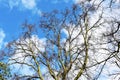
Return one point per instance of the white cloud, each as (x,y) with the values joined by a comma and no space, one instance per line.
(13,3)
(78,1)
(29,4)
(2,36)
(25,5)
(59,1)
(37,11)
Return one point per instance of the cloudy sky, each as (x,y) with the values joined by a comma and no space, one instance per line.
(14,12)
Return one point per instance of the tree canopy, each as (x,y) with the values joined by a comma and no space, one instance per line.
(80,43)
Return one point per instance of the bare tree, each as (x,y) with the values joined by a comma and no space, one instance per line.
(77,44)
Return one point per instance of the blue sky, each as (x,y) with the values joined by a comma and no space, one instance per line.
(14,12)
